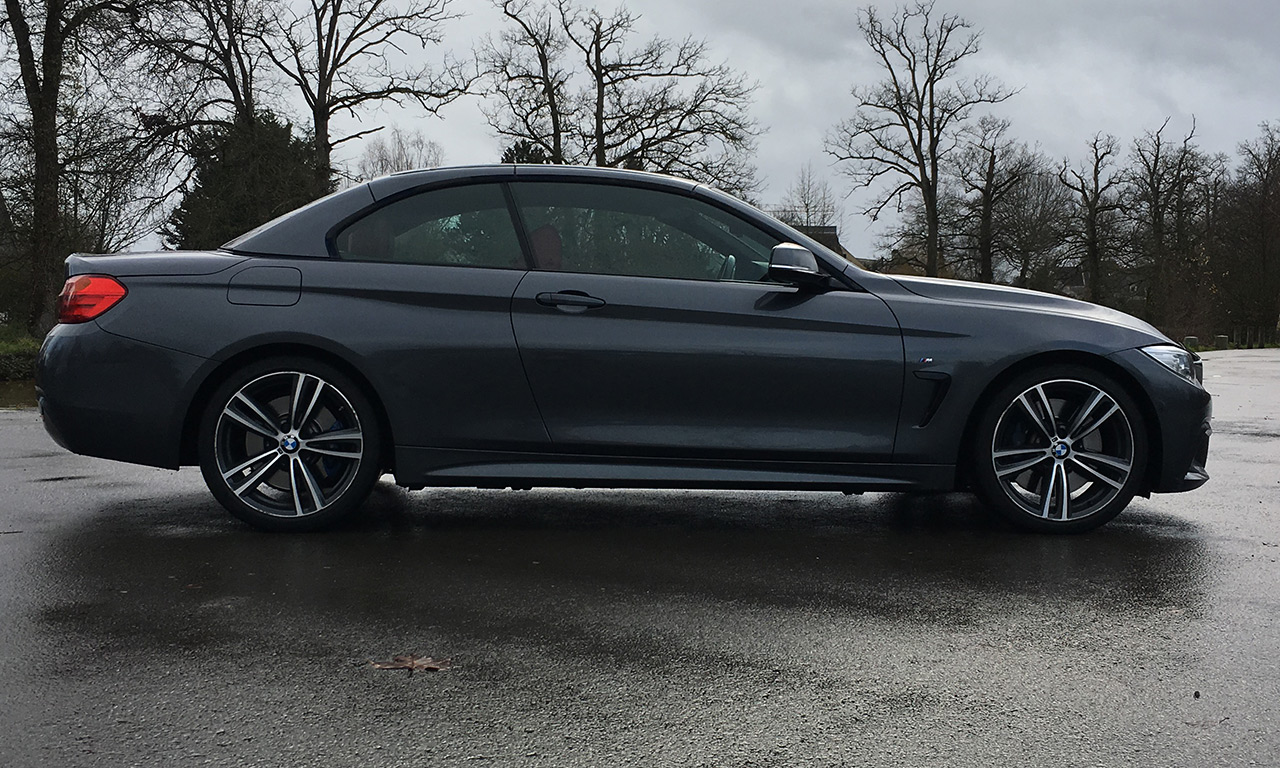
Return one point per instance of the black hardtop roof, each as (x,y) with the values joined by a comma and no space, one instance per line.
(404,180)
(302,232)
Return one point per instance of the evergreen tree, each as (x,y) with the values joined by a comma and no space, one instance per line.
(524,151)
(245,175)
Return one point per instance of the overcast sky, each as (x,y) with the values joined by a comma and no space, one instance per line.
(1083,66)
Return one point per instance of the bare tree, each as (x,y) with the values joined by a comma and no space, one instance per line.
(44,53)
(1160,177)
(809,201)
(341,55)
(907,124)
(202,68)
(1095,186)
(639,115)
(1034,220)
(398,151)
(572,82)
(988,168)
(1260,175)
(1246,251)
(203,59)
(530,78)
(115,172)
(112,179)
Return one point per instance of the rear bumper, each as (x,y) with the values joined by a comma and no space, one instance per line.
(111,397)
(1183,413)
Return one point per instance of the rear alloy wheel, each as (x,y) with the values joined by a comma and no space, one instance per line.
(1061,449)
(289,445)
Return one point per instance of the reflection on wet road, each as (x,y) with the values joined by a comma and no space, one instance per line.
(142,626)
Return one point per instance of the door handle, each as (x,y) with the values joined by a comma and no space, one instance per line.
(569,301)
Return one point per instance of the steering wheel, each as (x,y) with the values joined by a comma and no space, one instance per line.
(727,268)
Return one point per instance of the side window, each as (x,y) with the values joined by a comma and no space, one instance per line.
(467,226)
(616,230)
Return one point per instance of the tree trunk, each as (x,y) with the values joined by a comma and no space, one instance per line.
(45,224)
(553,107)
(599,110)
(1158,290)
(931,234)
(324,166)
(1093,259)
(42,93)
(986,248)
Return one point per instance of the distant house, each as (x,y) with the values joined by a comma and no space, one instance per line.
(826,234)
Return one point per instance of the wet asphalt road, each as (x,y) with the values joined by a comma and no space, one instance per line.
(139,625)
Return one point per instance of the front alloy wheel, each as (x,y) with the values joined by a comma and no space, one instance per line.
(1065,451)
(289,445)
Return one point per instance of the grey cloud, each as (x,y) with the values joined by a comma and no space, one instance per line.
(1118,66)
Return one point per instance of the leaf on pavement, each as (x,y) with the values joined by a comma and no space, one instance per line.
(413,663)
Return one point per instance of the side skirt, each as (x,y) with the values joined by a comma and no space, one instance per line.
(420,467)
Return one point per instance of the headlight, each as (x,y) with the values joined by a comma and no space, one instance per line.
(1174,358)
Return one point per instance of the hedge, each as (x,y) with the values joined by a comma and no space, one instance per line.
(17,356)
(16,366)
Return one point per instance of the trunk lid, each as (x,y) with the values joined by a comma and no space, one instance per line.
(153,264)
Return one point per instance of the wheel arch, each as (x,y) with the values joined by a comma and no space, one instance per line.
(1071,357)
(189,454)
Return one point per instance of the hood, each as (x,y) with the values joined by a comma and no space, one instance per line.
(965,292)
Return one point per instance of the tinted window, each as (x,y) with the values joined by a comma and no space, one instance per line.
(600,228)
(469,226)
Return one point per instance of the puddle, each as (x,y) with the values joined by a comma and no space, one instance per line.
(18,394)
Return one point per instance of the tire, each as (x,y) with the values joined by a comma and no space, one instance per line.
(1094,446)
(290,444)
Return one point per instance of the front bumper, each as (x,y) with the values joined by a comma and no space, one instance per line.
(1182,412)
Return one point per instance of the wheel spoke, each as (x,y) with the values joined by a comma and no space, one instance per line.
(1114,463)
(1022,465)
(1010,453)
(1057,482)
(1084,412)
(1093,427)
(251,424)
(1049,424)
(299,382)
(300,421)
(1065,491)
(256,477)
(266,424)
(1046,496)
(1030,409)
(293,485)
(242,467)
(1096,474)
(336,454)
(312,486)
(336,435)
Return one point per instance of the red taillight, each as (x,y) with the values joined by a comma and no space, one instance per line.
(84,297)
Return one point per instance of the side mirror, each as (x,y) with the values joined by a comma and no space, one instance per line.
(795,265)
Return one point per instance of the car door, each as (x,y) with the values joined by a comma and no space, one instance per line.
(648,328)
(424,284)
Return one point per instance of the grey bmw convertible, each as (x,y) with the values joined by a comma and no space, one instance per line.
(521,326)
